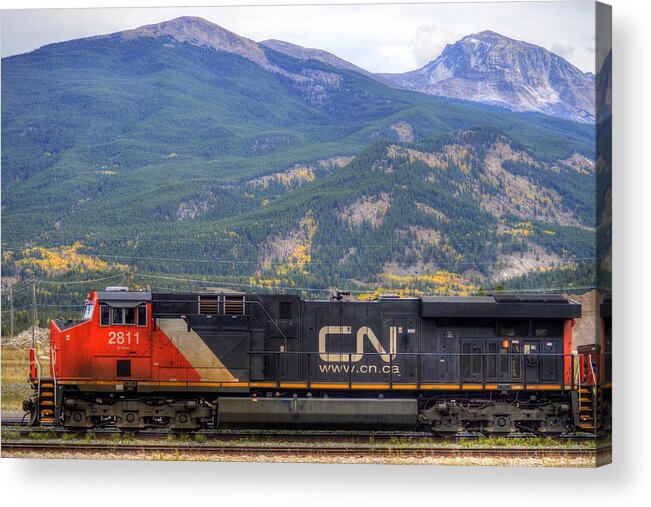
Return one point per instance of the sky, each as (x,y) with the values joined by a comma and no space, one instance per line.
(379,37)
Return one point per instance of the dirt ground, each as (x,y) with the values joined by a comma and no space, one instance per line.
(574,462)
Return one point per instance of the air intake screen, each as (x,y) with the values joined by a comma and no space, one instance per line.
(208,305)
(234,305)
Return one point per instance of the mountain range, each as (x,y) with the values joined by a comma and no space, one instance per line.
(184,147)
(489,68)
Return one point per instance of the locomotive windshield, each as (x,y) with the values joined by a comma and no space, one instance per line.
(89,306)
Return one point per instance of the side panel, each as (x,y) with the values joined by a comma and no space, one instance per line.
(361,343)
(203,348)
(317,412)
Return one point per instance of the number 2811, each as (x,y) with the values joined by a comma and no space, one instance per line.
(122,338)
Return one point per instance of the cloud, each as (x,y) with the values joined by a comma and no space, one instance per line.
(428,43)
(390,57)
(567,51)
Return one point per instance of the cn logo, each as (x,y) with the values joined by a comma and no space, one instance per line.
(363,332)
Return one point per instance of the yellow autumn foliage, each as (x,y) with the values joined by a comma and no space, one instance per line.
(520,229)
(60,260)
(300,255)
(258,281)
(440,283)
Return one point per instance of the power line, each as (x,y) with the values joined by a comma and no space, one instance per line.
(371,289)
(232,284)
(223,241)
(78,282)
(306,263)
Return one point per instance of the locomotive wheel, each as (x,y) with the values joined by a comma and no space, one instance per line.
(183,423)
(130,421)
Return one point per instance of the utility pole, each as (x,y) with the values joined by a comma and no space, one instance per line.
(11,312)
(34,314)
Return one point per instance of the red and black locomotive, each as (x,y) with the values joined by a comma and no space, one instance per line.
(186,361)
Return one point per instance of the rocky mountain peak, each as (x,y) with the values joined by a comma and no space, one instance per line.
(201,32)
(492,68)
(488,36)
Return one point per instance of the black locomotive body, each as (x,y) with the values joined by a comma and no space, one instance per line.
(491,364)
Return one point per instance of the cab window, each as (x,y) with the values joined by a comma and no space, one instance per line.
(121,316)
(142,315)
(88,311)
(104,319)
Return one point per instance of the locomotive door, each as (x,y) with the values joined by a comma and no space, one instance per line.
(472,353)
(531,350)
(550,363)
(446,362)
(400,335)
(282,359)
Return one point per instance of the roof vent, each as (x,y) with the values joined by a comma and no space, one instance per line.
(117,289)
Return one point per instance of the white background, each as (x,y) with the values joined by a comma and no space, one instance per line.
(626,482)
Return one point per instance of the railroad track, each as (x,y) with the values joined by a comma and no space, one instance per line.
(16,424)
(261,435)
(25,431)
(194,449)
(358,436)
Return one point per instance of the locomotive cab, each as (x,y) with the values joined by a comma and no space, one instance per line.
(112,341)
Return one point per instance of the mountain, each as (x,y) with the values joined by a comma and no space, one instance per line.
(182,147)
(491,68)
(462,208)
(303,53)
(200,32)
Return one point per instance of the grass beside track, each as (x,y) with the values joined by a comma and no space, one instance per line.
(15,370)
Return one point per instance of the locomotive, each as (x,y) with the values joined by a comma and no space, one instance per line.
(186,361)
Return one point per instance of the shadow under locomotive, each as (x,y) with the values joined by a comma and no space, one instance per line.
(494,364)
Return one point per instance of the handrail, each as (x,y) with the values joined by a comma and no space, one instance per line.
(594,377)
(54,378)
(416,360)
(37,412)
(160,315)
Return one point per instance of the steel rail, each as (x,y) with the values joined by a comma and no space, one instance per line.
(268,435)
(335,434)
(319,450)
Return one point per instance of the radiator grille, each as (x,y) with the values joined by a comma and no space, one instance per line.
(221,305)
(234,305)
(208,305)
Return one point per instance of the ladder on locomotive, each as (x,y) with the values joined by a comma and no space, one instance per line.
(46,401)
(589,390)
(44,412)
